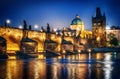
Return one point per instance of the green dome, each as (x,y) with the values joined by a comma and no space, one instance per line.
(76,21)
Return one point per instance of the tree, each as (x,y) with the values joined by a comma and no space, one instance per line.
(114,41)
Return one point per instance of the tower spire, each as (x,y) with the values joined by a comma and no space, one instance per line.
(98,12)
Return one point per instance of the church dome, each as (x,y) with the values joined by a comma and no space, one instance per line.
(76,21)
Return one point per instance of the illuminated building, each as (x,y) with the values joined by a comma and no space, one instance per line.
(98,29)
(115,32)
(112,33)
(77,24)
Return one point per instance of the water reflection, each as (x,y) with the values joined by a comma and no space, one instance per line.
(107,65)
(13,69)
(80,66)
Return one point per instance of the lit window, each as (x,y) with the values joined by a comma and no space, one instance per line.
(98,23)
(94,24)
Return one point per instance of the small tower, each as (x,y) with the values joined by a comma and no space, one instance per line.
(98,29)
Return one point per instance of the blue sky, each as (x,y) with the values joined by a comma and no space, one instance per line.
(58,13)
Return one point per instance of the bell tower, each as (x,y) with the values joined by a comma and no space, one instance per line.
(98,29)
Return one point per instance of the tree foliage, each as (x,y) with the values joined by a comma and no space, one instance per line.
(114,41)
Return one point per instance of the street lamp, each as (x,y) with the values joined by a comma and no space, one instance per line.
(36,26)
(8,22)
(20,27)
(54,29)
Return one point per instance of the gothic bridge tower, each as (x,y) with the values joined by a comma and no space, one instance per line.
(98,29)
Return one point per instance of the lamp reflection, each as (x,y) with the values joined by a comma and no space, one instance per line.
(107,65)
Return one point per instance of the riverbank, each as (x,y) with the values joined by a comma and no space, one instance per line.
(106,49)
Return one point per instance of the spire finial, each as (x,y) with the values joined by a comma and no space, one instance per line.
(98,12)
(77,16)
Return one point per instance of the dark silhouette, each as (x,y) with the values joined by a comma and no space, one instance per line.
(25,25)
(115,27)
(114,41)
(30,28)
(48,28)
(5,23)
(42,29)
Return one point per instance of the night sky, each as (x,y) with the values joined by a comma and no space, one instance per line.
(57,13)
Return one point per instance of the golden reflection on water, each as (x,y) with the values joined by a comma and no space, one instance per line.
(14,69)
(36,69)
(99,56)
(55,69)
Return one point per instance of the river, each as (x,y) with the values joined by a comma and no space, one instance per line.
(80,66)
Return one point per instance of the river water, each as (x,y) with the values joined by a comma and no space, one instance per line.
(80,66)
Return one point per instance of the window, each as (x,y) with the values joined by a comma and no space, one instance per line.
(94,24)
(98,23)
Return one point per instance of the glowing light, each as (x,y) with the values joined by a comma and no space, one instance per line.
(54,29)
(89,50)
(8,21)
(107,28)
(64,51)
(41,30)
(56,33)
(79,51)
(61,33)
(12,57)
(98,38)
(20,27)
(35,26)
(107,57)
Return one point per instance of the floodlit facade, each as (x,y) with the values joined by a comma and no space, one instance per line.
(110,34)
(115,32)
(77,24)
